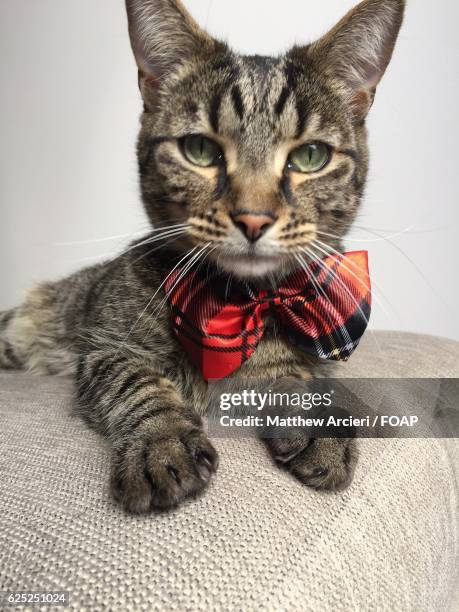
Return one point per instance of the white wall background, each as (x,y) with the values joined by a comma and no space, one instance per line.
(69,111)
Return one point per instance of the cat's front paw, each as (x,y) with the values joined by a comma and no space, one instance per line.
(326,464)
(160,468)
(321,463)
(322,457)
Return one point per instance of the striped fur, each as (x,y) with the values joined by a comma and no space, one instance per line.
(8,357)
(109,325)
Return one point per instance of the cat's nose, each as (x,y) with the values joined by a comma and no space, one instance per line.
(253,225)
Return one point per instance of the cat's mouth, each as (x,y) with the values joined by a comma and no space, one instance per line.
(251,265)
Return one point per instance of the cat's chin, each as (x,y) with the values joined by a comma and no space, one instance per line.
(252,267)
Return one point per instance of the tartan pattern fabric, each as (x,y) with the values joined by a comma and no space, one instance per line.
(323,313)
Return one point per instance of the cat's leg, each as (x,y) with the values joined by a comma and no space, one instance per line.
(8,356)
(160,453)
(34,335)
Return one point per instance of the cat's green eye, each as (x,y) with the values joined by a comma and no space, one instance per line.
(202,151)
(310,157)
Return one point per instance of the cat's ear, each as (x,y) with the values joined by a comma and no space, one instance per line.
(359,48)
(163,36)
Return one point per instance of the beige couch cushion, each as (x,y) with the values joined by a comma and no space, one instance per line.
(257,540)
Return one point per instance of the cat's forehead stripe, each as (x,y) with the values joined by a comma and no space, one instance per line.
(238,103)
(257,88)
(214,111)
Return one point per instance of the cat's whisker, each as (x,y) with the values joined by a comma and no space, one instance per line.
(319,288)
(228,286)
(116,237)
(365,240)
(98,240)
(430,230)
(320,291)
(163,226)
(330,270)
(153,239)
(187,268)
(272,280)
(215,247)
(434,291)
(169,228)
(331,251)
(326,249)
(153,297)
(194,259)
(162,304)
(206,255)
(323,265)
(158,248)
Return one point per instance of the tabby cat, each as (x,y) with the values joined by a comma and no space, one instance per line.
(246,163)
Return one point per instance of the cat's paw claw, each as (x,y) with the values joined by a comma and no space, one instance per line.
(327,464)
(160,473)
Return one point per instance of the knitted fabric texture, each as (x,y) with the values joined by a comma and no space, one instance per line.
(257,540)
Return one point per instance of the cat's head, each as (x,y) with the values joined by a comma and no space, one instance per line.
(257,157)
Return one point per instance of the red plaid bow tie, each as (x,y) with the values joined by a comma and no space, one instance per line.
(324,313)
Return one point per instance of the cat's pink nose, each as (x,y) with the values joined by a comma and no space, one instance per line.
(253,225)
